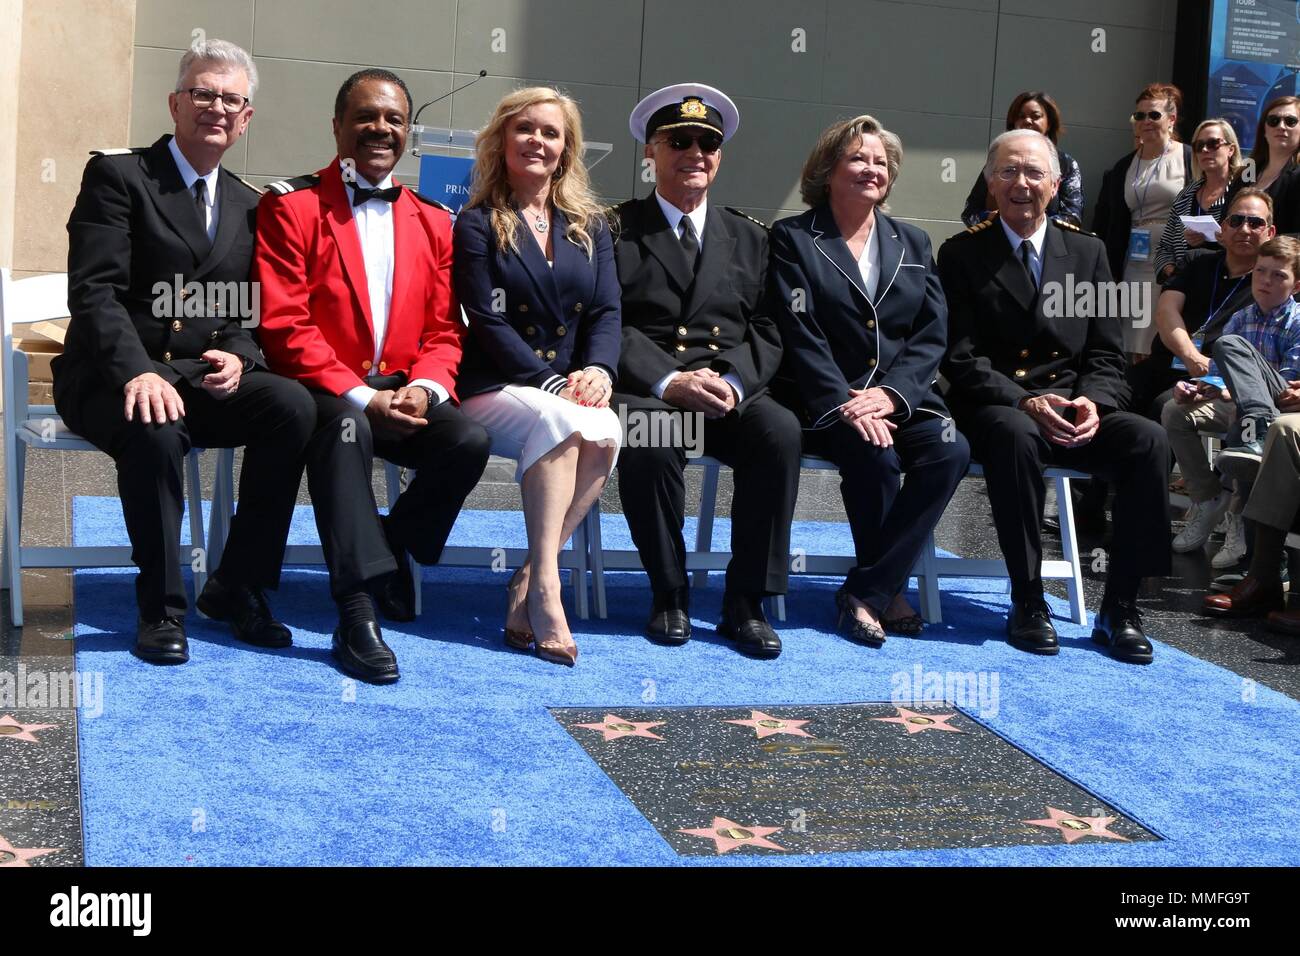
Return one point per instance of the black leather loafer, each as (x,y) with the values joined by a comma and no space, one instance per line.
(361,652)
(1029,627)
(669,622)
(245,609)
(743,622)
(1118,626)
(394,594)
(161,642)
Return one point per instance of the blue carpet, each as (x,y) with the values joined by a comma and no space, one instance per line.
(271,757)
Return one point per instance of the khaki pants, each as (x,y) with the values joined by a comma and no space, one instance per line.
(1182,422)
(1275,497)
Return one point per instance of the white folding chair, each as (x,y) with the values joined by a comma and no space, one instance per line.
(40,299)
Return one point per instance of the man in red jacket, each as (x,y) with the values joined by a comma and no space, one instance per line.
(356,304)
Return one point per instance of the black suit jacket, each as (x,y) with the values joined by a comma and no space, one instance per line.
(550,319)
(676,321)
(1003,344)
(835,337)
(133,231)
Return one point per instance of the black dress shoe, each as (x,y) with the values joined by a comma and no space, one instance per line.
(1029,627)
(245,609)
(743,622)
(394,593)
(161,642)
(669,622)
(1118,626)
(361,651)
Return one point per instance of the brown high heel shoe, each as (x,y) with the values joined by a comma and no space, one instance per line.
(557,653)
(519,640)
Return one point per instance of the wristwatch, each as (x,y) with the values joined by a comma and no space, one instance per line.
(433,399)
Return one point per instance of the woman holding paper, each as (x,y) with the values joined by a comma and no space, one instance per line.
(1216,160)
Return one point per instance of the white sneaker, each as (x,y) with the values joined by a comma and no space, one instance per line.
(1234,544)
(1201,519)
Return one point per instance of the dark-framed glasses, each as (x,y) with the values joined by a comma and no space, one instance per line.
(1208,145)
(204,98)
(1032,174)
(1154,115)
(1289,119)
(1237,220)
(709,142)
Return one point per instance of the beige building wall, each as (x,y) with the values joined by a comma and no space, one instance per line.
(70,63)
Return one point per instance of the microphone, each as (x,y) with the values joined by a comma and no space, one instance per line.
(416,120)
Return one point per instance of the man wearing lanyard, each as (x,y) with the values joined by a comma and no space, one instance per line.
(357,305)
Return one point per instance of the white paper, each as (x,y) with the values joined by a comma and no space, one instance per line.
(1205,225)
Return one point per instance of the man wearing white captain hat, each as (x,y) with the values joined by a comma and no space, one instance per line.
(697,339)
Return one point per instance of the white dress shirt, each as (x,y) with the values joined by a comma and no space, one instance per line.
(869,263)
(697,217)
(190,177)
(1035,247)
(374,222)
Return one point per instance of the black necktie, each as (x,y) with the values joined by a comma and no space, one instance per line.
(1028,262)
(361,194)
(690,245)
(201,201)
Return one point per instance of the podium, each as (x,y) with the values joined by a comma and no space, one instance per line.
(441,160)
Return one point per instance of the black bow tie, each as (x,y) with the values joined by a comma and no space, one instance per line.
(361,194)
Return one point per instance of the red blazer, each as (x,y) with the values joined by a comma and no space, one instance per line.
(315,306)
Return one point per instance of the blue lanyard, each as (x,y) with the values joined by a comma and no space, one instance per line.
(1137,174)
(1215,310)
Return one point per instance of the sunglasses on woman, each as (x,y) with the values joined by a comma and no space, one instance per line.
(709,142)
(1289,119)
(1208,145)
(1237,220)
(1154,116)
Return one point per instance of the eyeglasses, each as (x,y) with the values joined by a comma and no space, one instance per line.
(708,142)
(1237,220)
(1208,145)
(1032,174)
(1290,120)
(1153,115)
(204,98)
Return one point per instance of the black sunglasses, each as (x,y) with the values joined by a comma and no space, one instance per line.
(1290,121)
(1139,116)
(1208,145)
(709,142)
(1237,220)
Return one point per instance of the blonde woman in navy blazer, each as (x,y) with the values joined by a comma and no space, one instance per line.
(534,271)
(865,325)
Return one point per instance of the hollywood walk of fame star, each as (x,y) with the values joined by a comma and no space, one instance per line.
(766,725)
(1076,828)
(10,729)
(728,835)
(11,855)
(615,727)
(914,723)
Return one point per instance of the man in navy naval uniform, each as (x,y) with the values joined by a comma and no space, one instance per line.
(148,373)
(1032,388)
(697,339)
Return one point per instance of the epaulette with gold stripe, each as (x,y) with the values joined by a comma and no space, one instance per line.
(745,215)
(432,202)
(1070,226)
(119,151)
(257,189)
(983,224)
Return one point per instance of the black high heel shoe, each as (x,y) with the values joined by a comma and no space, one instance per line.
(860,632)
(910,626)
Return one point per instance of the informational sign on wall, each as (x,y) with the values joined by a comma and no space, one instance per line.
(1254,57)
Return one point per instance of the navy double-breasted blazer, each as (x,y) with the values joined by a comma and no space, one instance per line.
(531,323)
(836,337)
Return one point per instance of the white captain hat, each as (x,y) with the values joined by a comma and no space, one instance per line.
(684,104)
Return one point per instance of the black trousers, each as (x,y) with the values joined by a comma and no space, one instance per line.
(890,525)
(449,455)
(760,441)
(1128,451)
(270,416)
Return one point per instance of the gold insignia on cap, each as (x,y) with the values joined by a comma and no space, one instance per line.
(693,108)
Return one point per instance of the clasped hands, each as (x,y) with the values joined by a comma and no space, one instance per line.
(398,413)
(702,390)
(590,387)
(1189,393)
(867,411)
(1057,430)
(156,400)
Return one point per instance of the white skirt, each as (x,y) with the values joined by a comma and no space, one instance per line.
(525,423)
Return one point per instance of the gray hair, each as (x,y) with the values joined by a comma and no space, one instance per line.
(1010,136)
(221,52)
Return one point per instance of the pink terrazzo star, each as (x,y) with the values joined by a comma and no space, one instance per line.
(765,725)
(1076,828)
(615,727)
(727,835)
(914,723)
(10,729)
(11,855)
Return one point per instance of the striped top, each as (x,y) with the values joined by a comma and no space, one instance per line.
(1173,248)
